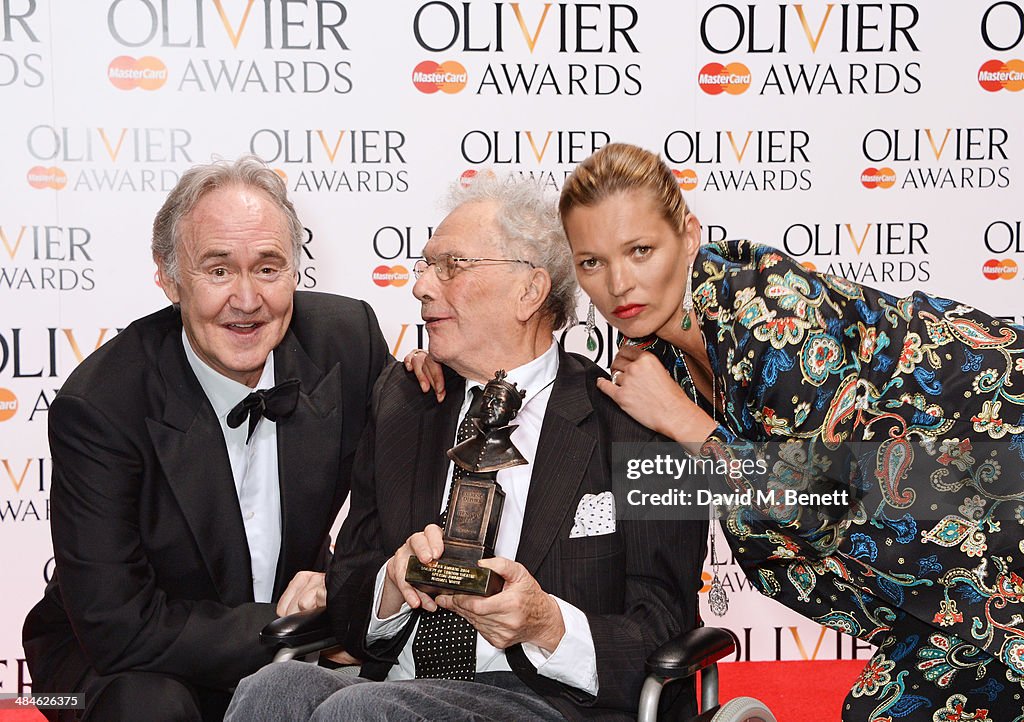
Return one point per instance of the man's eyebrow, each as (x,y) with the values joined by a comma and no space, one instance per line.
(443,252)
(214,253)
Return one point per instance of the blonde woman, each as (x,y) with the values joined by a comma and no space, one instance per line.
(911,406)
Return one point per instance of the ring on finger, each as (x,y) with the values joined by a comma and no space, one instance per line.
(615,377)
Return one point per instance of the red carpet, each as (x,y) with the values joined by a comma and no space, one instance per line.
(794,691)
(21,715)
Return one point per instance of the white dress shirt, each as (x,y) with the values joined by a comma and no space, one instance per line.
(574,661)
(253,467)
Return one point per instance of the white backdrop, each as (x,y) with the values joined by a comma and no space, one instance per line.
(880,141)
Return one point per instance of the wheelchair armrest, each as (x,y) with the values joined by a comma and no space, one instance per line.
(298,629)
(684,655)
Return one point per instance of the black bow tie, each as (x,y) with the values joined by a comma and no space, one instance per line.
(275,403)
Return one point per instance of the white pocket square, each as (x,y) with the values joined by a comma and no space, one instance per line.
(595,515)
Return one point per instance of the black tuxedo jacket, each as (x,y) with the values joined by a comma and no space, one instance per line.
(152,564)
(638,586)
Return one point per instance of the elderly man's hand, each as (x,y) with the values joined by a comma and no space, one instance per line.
(427,546)
(521,612)
(305,591)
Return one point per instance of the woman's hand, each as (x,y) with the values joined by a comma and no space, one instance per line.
(428,372)
(644,389)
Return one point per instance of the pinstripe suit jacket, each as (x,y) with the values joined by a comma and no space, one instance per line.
(638,586)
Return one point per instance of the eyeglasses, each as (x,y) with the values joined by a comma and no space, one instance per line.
(446,264)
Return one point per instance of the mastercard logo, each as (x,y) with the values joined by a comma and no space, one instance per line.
(994,269)
(995,75)
(467,177)
(715,78)
(390,276)
(706,579)
(687,178)
(809,266)
(282,175)
(127,73)
(448,77)
(878,178)
(52,177)
(8,404)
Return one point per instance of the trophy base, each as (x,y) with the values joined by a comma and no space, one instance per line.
(453,576)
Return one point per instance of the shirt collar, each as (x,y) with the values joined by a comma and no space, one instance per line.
(223,393)
(533,376)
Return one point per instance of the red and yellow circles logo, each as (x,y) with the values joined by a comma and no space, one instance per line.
(448,77)
(282,175)
(687,178)
(467,177)
(52,177)
(995,75)
(390,276)
(809,266)
(995,269)
(8,404)
(878,177)
(127,73)
(715,78)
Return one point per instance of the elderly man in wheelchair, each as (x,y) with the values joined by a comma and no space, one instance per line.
(580,598)
(307,634)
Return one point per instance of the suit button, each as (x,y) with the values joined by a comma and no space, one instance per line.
(250,515)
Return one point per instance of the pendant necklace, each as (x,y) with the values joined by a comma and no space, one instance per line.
(718,600)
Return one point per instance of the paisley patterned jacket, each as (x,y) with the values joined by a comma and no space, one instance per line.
(913,405)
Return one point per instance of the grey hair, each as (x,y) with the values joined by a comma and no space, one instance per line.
(531,230)
(248,171)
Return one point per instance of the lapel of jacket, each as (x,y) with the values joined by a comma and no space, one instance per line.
(308,450)
(190,446)
(436,435)
(563,455)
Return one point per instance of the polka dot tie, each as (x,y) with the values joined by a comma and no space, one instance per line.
(445,643)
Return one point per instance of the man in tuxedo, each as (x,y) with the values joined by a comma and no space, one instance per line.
(199,460)
(587,596)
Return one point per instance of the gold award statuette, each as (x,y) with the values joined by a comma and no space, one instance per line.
(474,506)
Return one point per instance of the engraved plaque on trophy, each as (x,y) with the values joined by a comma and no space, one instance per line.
(476,499)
